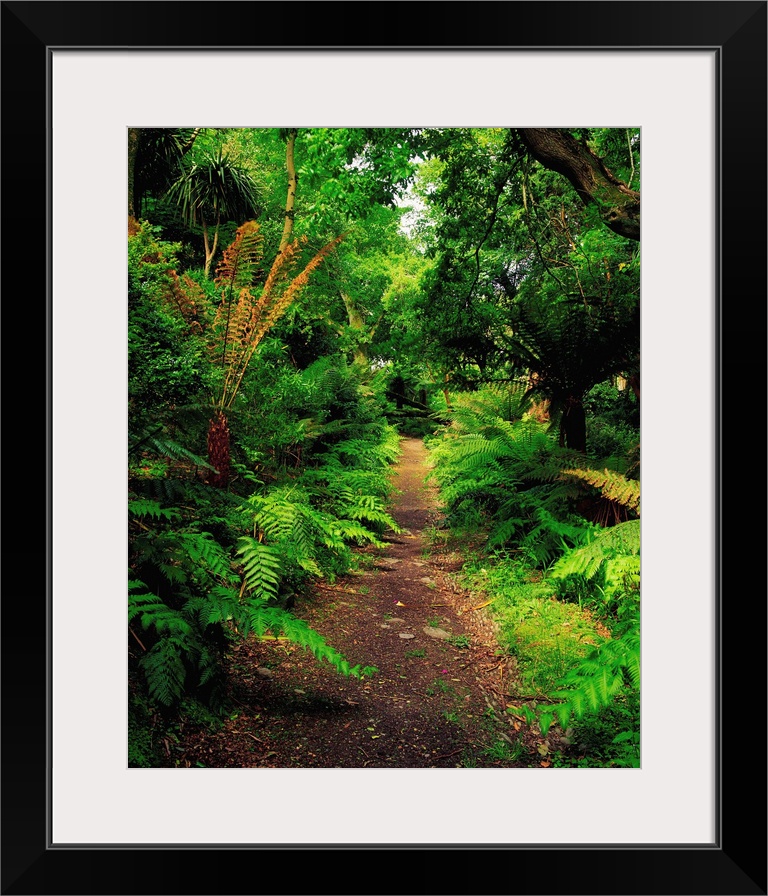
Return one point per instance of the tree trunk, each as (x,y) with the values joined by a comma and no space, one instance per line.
(218,449)
(210,250)
(292,182)
(133,145)
(573,425)
(557,150)
(356,323)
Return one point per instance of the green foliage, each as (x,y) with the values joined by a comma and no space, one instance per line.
(460,641)
(262,566)
(611,670)
(604,572)
(497,273)
(214,187)
(190,591)
(166,364)
(529,492)
(511,471)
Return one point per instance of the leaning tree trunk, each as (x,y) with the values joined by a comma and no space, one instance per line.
(559,151)
(573,425)
(218,449)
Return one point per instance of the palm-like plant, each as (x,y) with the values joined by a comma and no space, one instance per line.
(155,159)
(568,347)
(212,190)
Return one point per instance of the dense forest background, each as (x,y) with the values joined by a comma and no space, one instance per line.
(299,300)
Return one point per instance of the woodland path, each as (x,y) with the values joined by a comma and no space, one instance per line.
(438,697)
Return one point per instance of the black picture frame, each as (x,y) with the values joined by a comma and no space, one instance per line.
(737,862)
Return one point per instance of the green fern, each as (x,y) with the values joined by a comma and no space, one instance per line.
(168,448)
(142,507)
(597,681)
(218,606)
(153,612)
(165,670)
(263,620)
(262,567)
(614,486)
(606,544)
(203,550)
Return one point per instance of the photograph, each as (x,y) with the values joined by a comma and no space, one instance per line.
(384,447)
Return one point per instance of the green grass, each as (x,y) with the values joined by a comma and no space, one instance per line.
(547,637)
(460,641)
(439,686)
(502,751)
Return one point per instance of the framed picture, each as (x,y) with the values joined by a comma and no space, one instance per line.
(692,76)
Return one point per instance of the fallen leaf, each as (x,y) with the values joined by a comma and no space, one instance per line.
(399,603)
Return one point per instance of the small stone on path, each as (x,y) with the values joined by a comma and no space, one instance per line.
(406,635)
(435,632)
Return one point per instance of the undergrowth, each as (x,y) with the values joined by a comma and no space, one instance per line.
(556,554)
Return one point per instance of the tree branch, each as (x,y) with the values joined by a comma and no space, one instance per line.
(618,204)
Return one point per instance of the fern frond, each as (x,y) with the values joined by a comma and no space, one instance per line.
(278,622)
(165,672)
(613,486)
(165,447)
(218,605)
(262,567)
(350,530)
(153,612)
(597,681)
(187,298)
(240,260)
(203,549)
(141,507)
(606,544)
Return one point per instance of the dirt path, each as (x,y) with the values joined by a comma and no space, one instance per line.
(437,698)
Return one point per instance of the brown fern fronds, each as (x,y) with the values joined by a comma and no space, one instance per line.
(186,298)
(240,259)
(232,328)
(281,266)
(270,308)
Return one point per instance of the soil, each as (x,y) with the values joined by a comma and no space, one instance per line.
(439,697)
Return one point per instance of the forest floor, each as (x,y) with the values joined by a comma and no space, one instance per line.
(439,697)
